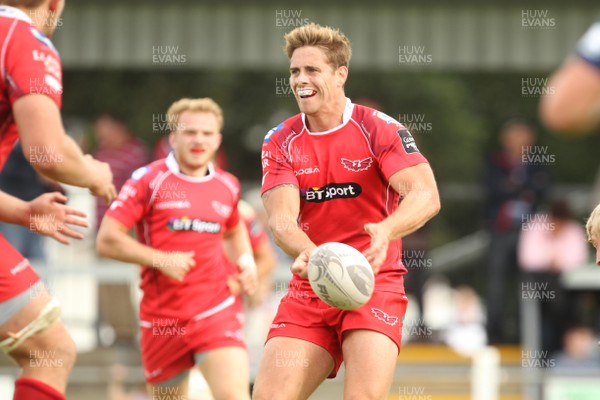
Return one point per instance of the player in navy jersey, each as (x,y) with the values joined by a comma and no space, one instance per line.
(340,172)
(573,105)
(30,99)
(185,211)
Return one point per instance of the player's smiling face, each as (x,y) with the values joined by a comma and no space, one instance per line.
(315,82)
(195,141)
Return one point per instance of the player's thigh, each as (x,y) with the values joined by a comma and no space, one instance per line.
(52,343)
(291,369)
(176,387)
(370,360)
(227,372)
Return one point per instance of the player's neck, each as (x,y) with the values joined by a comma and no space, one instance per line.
(39,19)
(328,117)
(194,172)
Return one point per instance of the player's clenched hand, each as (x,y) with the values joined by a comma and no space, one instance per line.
(103,180)
(247,276)
(300,265)
(49,216)
(174,264)
(380,241)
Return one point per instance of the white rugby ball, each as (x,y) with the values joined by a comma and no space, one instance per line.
(340,275)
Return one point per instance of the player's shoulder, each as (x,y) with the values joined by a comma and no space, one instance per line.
(291,126)
(370,117)
(149,171)
(230,181)
(27,37)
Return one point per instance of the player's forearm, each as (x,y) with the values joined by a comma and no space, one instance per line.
(63,162)
(288,236)
(265,259)
(236,243)
(14,210)
(414,211)
(122,247)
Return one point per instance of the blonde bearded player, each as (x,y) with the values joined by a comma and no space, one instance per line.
(339,172)
(30,100)
(185,211)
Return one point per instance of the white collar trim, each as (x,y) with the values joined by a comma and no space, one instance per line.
(173,166)
(12,12)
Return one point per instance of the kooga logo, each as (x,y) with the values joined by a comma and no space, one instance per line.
(330,192)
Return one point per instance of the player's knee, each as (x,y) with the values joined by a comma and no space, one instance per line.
(366,393)
(52,348)
(259,393)
(233,395)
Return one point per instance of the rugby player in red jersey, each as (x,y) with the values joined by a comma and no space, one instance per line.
(185,212)
(346,173)
(30,99)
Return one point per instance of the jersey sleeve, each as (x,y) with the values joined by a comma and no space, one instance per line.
(588,47)
(32,66)
(276,165)
(234,218)
(131,205)
(256,232)
(233,185)
(394,147)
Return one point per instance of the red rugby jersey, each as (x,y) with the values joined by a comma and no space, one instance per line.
(29,63)
(175,212)
(343,178)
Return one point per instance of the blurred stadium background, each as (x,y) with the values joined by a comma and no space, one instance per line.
(452,71)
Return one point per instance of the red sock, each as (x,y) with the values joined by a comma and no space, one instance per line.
(32,389)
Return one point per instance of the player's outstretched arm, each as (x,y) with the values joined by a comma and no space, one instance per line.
(238,249)
(46,215)
(52,152)
(282,204)
(421,202)
(113,241)
(573,103)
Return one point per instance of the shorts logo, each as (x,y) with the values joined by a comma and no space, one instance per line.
(186,224)
(276,326)
(21,266)
(236,335)
(152,374)
(408,141)
(331,191)
(383,316)
(357,165)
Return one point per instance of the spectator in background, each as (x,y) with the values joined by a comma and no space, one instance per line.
(579,355)
(466,333)
(549,245)
(117,146)
(514,189)
(573,106)
(19,179)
